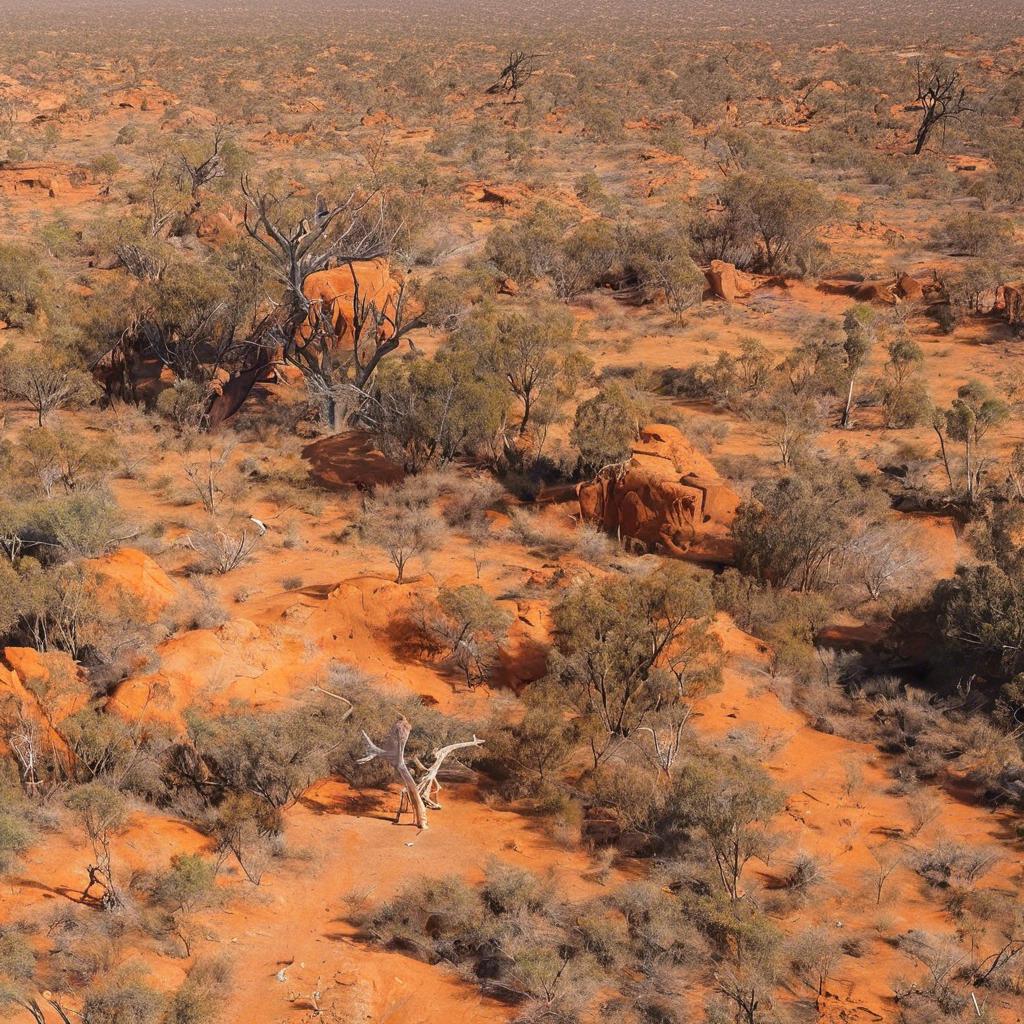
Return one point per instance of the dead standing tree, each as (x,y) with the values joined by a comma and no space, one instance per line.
(333,372)
(203,167)
(417,795)
(304,333)
(942,96)
(518,70)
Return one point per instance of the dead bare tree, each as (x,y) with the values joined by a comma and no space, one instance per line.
(518,70)
(197,172)
(31,1005)
(338,376)
(666,743)
(25,743)
(942,96)
(419,795)
(161,196)
(311,242)
(345,233)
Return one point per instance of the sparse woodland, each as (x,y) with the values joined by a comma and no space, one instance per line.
(511,518)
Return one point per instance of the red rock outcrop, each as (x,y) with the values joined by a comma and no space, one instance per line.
(875,291)
(727,282)
(131,573)
(908,288)
(1013,305)
(45,688)
(668,498)
(335,291)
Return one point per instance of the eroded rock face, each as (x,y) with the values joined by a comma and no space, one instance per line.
(882,292)
(727,282)
(909,289)
(334,293)
(668,499)
(131,573)
(45,688)
(904,288)
(1013,305)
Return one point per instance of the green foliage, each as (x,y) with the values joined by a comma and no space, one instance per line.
(971,416)
(976,233)
(586,255)
(45,381)
(511,932)
(16,835)
(17,968)
(795,530)
(730,381)
(606,425)
(272,756)
(773,217)
(534,354)
(404,530)
(980,613)
(860,330)
(731,803)
(189,883)
(100,809)
(525,756)
(530,248)
(63,458)
(122,999)
(202,996)
(629,651)
(656,254)
(905,398)
(547,243)
(25,286)
(429,411)
(467,627)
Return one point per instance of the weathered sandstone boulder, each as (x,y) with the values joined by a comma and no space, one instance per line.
(876,291)
(1013,305)
(335,292)
(668,498)
(908,288)
(727,282)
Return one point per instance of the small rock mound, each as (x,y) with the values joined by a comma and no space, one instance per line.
(46,688)
(904,288)
(131,572)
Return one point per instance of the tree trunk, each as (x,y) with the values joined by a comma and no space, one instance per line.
(970,471)
(419,795)
(849,404)
(945,458)
(393,752)
(331,413)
